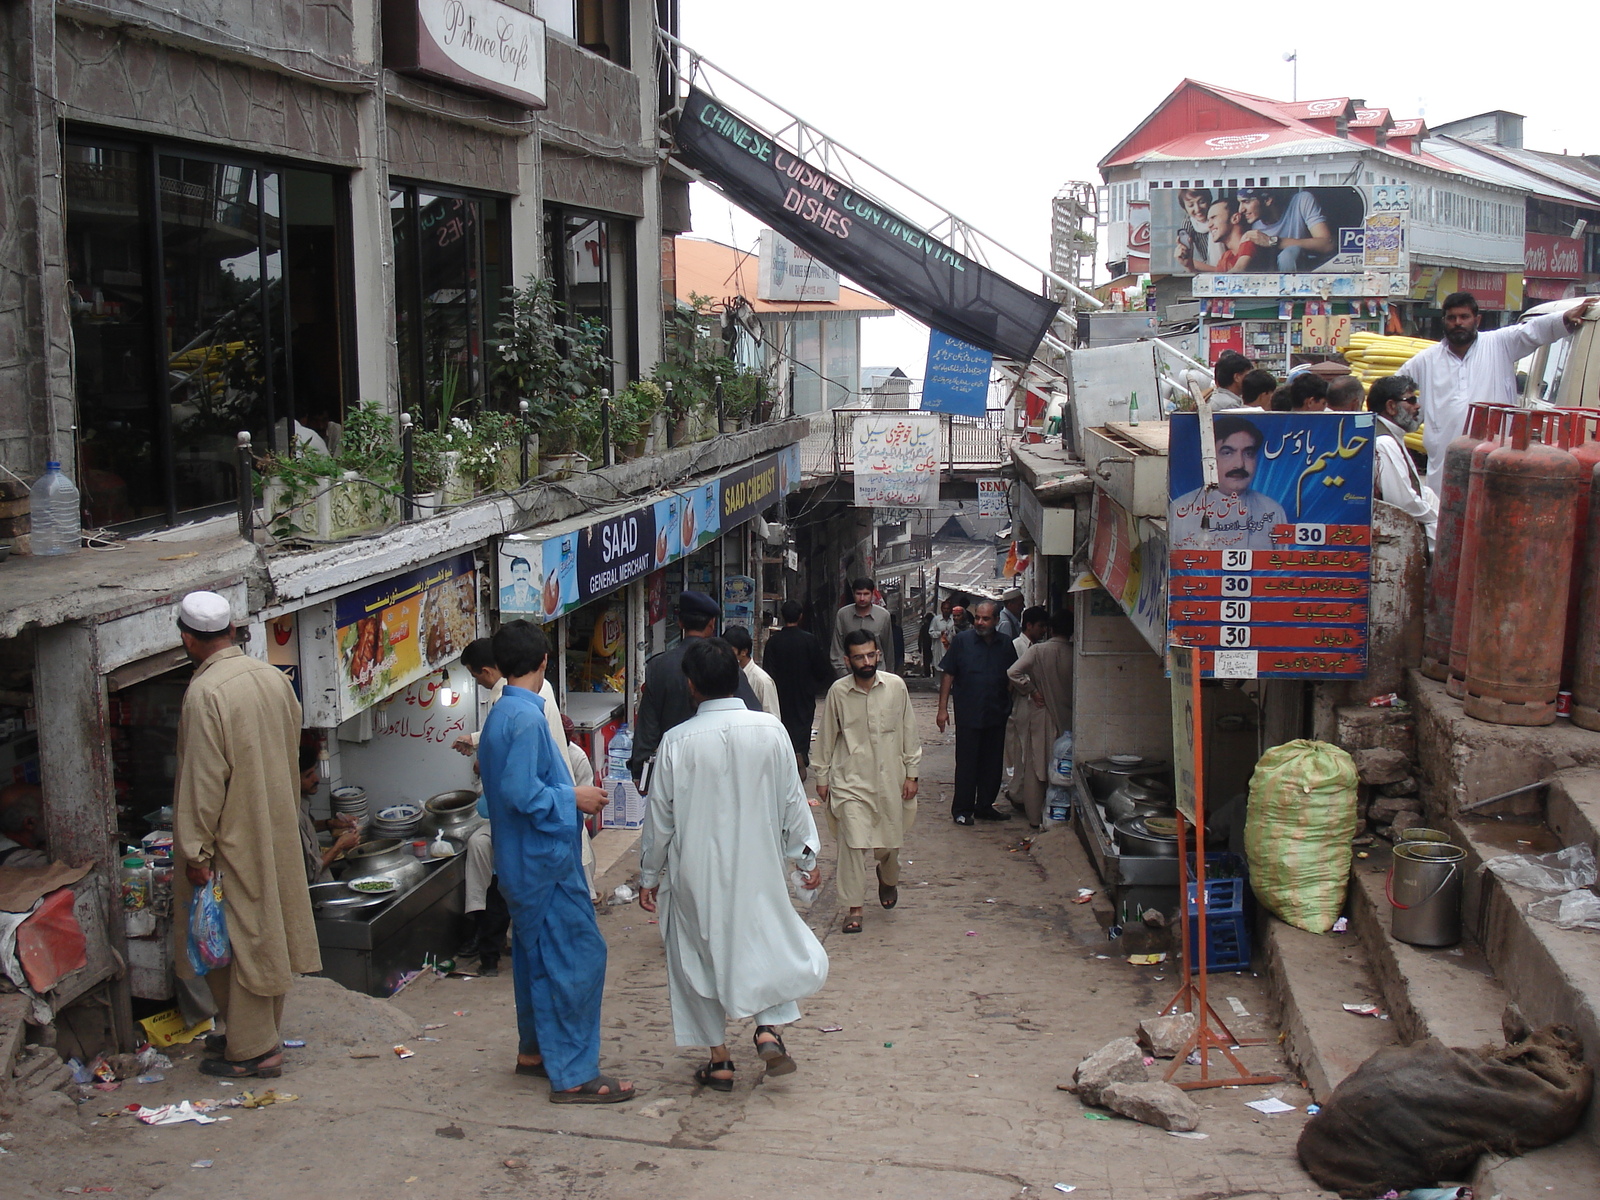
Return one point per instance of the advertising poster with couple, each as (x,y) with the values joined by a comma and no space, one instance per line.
(1276,230)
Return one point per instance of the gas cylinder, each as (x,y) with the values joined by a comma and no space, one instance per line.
(1575,439)
(1466,572)
(1439,605)
(1586,667)
(1519,605)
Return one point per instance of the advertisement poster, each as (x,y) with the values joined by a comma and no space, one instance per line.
(1196,231)
(1129,557)
(283,648)
(394,632)
(738,601)
(702,518)
(957,377)
(897,461)
(1185,770)
(992,498)
(1269,571)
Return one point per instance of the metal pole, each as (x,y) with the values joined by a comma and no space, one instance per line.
(408,469)
(722,423)
(606,457)
(247,488)
(672,421)
(522,413)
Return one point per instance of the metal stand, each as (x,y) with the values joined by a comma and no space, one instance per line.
(247,490)
(408,471)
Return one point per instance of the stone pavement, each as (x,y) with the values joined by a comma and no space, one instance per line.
(960,1011)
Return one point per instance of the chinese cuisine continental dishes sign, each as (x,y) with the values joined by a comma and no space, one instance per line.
(1269,571)
(394,632)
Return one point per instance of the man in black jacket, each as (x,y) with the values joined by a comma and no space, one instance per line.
(665,700)
(799,665)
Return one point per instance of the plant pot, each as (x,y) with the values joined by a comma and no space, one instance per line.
(287,513)
(632,450)
(680,430)
(564,466)
(457,486)
(508,468)
(424,505)
(354,506)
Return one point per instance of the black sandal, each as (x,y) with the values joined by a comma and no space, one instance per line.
(774,1053)
(244,1068)
(590,1093)
(705,1078)
(536,1069)
(888,894)
(216,1044)
(851,925)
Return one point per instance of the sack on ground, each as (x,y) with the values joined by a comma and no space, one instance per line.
(1301,817)
(1412,1115)
(209,947)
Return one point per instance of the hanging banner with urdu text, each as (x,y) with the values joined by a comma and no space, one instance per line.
(879,249)
(957,377)
(897,460)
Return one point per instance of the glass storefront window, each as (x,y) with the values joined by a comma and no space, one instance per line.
(247,260)
(450,271)
(589,257)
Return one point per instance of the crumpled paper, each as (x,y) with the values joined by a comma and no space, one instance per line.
(175,1114)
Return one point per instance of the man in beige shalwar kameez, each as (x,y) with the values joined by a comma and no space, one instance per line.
(1044,676)
(236,814)
(866,761)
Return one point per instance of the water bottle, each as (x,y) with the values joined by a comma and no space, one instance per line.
(57,525)
(618,752)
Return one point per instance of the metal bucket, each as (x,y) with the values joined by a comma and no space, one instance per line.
(1424,835)
(1424,890)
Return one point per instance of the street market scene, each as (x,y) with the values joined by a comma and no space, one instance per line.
(568,629)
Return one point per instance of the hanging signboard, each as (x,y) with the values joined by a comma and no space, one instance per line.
(479,44)
(790,273)
(887,254)
(392,633)
(992,498)
(1180,666)
(897,461)
(1270,571)
(1128,556)
(957,377)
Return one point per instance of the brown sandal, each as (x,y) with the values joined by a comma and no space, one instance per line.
(590,1093)
(244,1068)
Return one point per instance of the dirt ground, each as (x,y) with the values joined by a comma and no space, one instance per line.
(961,1011)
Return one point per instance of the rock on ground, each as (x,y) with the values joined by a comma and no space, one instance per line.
(1382,766)
(1158,1104)
(1385,808)
(1406,820)
(1121,1061)
(1164,1037)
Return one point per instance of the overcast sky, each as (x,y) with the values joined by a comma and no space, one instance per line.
(990,107)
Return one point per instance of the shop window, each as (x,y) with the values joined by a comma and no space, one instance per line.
(589,258)
(559,16)
(451,268)
(198,284)
(603,28)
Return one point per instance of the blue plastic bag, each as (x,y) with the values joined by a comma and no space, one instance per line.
(209,947)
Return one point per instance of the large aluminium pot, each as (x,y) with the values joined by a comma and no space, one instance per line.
(387,858)
(1104,775)
(1134,838)
(1140,797)
(454,814)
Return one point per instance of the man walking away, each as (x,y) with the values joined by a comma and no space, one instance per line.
(1393,403)
(664,700)
(863,614)
(1043,675)
(1470,368)
(1257,388)
(974,672)
(760,682)
(798,666)
(236,814)
(727,813)
(558,958)
(868,753)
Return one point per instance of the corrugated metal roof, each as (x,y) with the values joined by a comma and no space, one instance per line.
(711,269)
(1498,164)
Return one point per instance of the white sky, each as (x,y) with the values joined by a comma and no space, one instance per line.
(990,107)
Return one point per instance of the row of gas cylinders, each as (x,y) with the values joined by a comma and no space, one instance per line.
(1512,613)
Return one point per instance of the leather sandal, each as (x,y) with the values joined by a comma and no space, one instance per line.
(216,1044)
(536,1069)
(705,1078)
(774,1053)
(244,1068)
(590,1093)
(888,893)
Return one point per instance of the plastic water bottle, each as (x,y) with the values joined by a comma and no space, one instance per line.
(57,524)
(617,754)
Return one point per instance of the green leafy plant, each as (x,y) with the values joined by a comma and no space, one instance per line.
(553,363)
(694,356)
(367,445)
(487,440)
(428,463)
(633,409)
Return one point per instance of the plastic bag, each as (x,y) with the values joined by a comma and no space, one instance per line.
(1061,760)
(1562,871)
(1578,909)
(1297,831)
(209,947)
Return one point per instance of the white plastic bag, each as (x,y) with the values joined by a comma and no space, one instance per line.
(1563,871)
(1577,909)
(1061,760)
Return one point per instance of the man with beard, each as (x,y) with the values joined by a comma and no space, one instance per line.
(868,753)
(1297,233)
(1470,368)
(1393,403)
(974,672)
(1233,515)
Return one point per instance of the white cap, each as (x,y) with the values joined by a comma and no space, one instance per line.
(1012,594)
(205,612)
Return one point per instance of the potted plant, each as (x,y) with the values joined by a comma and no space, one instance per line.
(633,415)
(553,364)
(312,494)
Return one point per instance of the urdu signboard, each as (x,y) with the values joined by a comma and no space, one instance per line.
(478,44)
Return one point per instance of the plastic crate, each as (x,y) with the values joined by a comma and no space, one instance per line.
(1227,925)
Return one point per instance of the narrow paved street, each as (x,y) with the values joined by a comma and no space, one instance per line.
(960,1012)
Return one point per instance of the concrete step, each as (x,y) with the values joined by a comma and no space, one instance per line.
(1572,807)
(1449,993)
(1570,1168)
(1311,977)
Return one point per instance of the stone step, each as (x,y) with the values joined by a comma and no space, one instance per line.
(1311,977)
(1572,807)
(1448,993)
(1569,1168)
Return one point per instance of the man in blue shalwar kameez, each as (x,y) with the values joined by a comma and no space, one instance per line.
(558,956)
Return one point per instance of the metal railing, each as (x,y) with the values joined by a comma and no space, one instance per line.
(965,443)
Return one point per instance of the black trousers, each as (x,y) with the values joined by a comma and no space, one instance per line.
(980,757)
(493,922)
(799,730)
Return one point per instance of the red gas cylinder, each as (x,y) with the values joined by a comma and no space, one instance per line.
(1586,667)
(1519,605)
(1439,605)
(1576,439)
(1466,572)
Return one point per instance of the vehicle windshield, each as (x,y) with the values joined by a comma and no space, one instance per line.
(1544,368)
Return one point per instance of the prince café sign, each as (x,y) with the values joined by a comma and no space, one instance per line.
(478,44)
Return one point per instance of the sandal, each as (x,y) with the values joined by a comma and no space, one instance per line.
(244,1068)
(536,1069)
(774,1053)
(888,894)
(851,925)
(216,1044)
(705,1078)
(590,1093)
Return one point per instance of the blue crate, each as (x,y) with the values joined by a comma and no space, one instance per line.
(1223,897)
(1227,925)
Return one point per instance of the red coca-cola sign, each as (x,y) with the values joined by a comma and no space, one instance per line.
(1547,256)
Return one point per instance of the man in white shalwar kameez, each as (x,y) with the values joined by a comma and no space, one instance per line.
(727,815)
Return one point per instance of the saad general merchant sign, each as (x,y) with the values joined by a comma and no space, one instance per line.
(478,44)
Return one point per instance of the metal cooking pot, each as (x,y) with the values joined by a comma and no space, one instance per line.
(1133,838)
(1104,775)
(454,814)
(1131,800)
(387,857)
(337,900)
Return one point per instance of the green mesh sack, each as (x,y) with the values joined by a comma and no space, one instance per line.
(1298,830)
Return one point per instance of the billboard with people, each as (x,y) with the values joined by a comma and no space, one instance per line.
(1257,230)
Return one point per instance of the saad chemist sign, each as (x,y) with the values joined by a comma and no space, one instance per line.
(890,256)
(478,44)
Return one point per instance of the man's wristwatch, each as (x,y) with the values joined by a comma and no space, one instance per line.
(1276,241)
